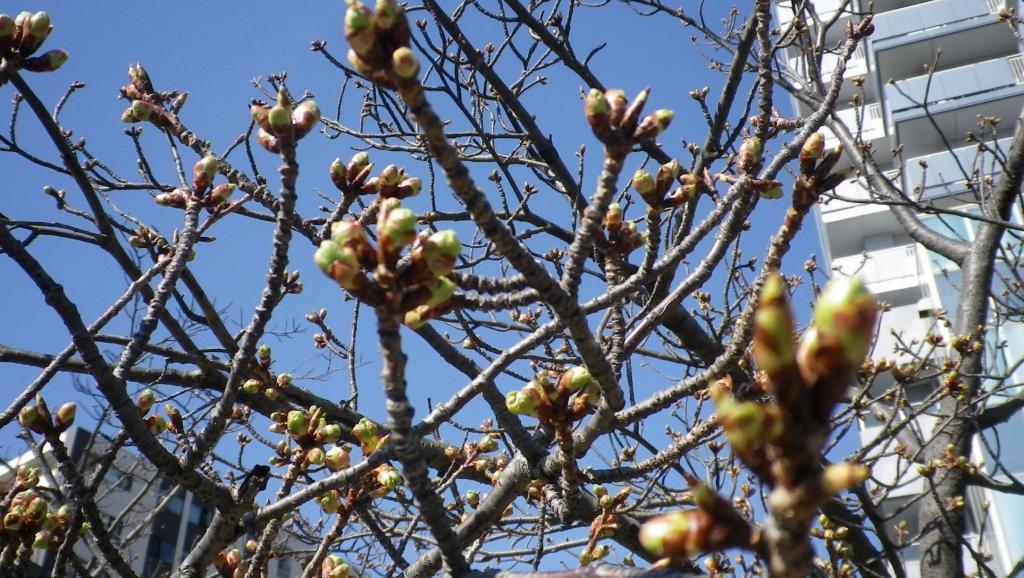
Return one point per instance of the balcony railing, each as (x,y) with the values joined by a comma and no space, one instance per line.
(956,83)
(851,191)
(941,172)
(881,266)
(826,9)
(856,66)
(930,17)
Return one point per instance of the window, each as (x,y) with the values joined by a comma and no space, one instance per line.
(159,557)
(118,479)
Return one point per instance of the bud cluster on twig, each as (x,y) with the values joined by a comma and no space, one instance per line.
(660,190)
(22,36)
(617,122)
(573,395)
(285,123)
(379,41)
(28,520)
(202,190)
(37,417)
(623,236)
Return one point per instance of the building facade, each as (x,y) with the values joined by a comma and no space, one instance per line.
(925,77)
(152,521)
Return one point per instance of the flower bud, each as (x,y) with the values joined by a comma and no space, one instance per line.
(49,61)
(337,459)
(339,176)
(617,104)
(360,65)
(750,154)
(613,218)
(143,110)
(271,394)
(26,478)
(774,349)
(667,174)
(840,477)
(338,262)
(30,418)
(280,120)
(251,386)
(410,187)
(678,534)
(643,183)
(145,401)
(386,14)
(359,27)
(298,423)
(521,403)
(268,141)
(772,193)
(259,114)
(440,292)
(488,443)
(440,251)
(328,434)
(575,379)
(156,424)
(42,539)
(330,502)
(176,198)
(388,477)
(66,416)
(416,318)
(315,456)
(305,118)
(221,193)
(366,432)
(404,63)
(204,172)
(357,164)
(177,424)
(12,521)
(845,315)
(653,124)
(6,30)
(398,228)
(597,109)
(813,149)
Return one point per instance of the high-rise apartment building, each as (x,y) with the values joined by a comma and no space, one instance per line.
(151,520)
(918,85)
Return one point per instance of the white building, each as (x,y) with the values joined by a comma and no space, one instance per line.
(976,69)
(152,521)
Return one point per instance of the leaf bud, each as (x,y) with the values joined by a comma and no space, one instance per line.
(666,175)
(339,176)
(410,187)
(813,149)
(440,292)
(774,349)
(617,104)
(772,193)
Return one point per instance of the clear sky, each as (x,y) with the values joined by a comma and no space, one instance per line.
(213,50)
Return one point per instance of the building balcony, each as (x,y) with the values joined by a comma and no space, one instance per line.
(938,17)
(826,10)
(956,87)
(883,270)
(850,193)
(856,66)
(942,173)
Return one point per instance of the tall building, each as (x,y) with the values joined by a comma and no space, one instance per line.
(152,521)
(920,83)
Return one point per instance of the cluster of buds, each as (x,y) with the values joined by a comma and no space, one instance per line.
(623,236)
(714,525)
(379,42)
(354,179)
(30,521)
(657,190)
(229,564)
(285,123)
(37,417)
(369,436)
(387,477)
(202,189)
(816,176)
(310,431)
(605,525)
(147,104)
(949,461)
(334,567)
(749,427)
(616,121)
(254,386)
(574,394)
(22,36)
(423,280)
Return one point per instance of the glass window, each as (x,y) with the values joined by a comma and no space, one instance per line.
(198,515)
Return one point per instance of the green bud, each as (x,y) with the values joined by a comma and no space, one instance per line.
(366,432)
(143,111)
(845,313)
(305,117)
(204,172)
(814,148)
(39,24)
(774,348)
(279,119)
(440,251)
(251,386)
(389,478)
(653,124)
(339,176)
(358,162)
(221,193)
(12,521)
(586,557)
(472,498)
(387,13)
(575,378)
(613,218)
(667,174)
(48,61)
(643,183)
(673,535)
(597,109)
(329,433)
(66,415)
(617,103)
(750,154)
(338,262)
(330,502)
(842,476)
(521,403)
(26,478)
(298,423)
(315,456)
(259,114)
(357,62)
(398,228)
(30,418)
(6,29)
(771,193)
(410,187)
(441,292)
(404,63)
(337,459)
(601,551)
(488,443)
(157,424)
(359,27)
(416,318)
(42,540)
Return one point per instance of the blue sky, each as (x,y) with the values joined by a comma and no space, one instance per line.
(213,50)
